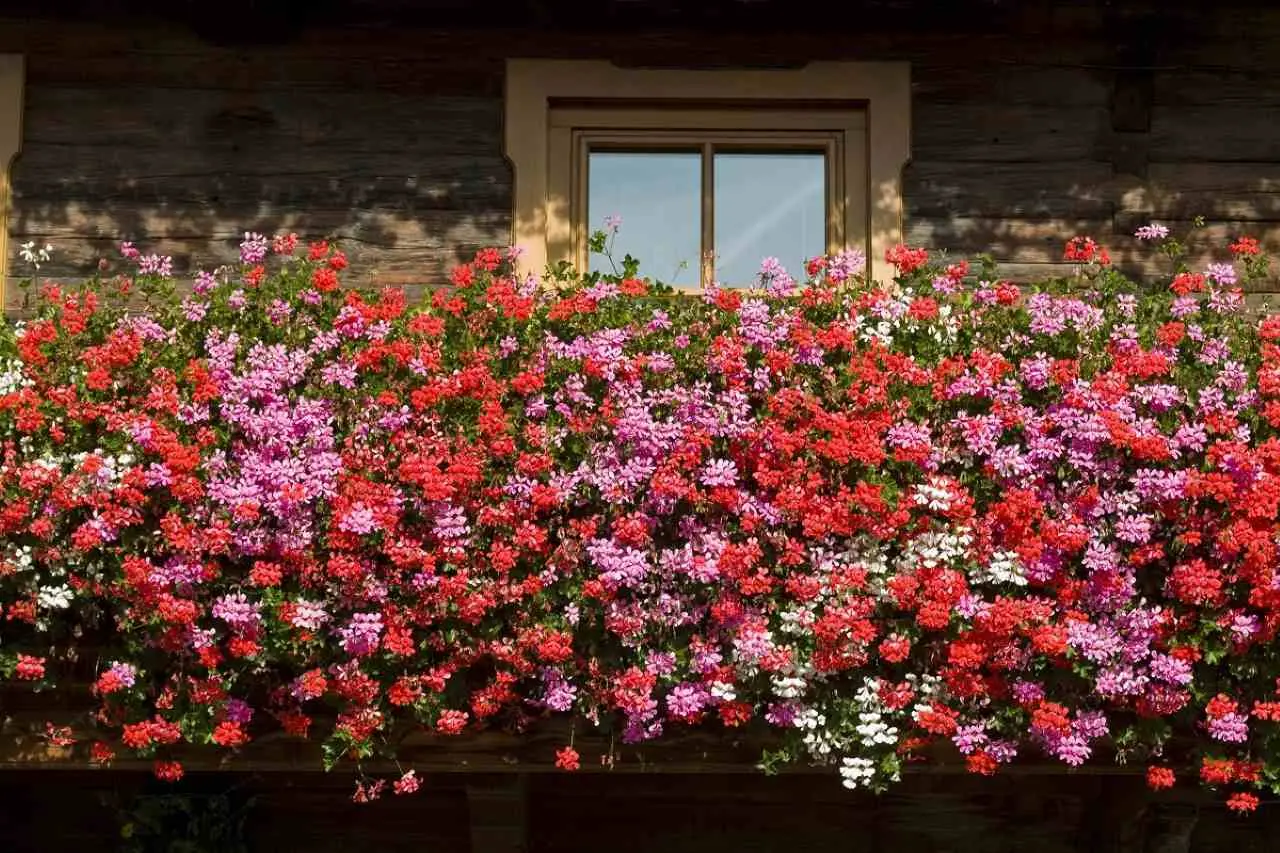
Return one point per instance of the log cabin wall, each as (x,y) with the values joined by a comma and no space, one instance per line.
(66,811)
(1060,121)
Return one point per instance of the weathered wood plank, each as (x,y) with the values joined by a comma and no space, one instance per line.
(438,67)
(401,226)
(368,262)
(1204,245)
(976,80)
(1228,42)
(296,814)
(1081,189)
(415,263)
(1076,42)
(1217,191)
(991,132)
(1029,273)
(496,753)
(25,746)
(1032,249)
(445,64)
(415,268)
(376,241)
(1035,241)
(1214,235)
(1015,240)
(1212,132)
(451,182)
(704,749)
(233,156)
(1026,249)
(1253,89)
(187,119)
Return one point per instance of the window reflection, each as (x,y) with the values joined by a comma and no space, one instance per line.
(658,197)
(768,204)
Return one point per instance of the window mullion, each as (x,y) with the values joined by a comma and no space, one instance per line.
(706,271)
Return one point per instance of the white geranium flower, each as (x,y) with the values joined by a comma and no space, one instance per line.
(55,597)
(35,255)
(722,691)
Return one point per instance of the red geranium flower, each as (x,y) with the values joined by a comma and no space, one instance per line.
(1242,802)
(1159,778)
(168,771)
(229,734)
(567,759)
(29,668)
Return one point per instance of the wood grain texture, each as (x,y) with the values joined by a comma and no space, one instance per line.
(154,117)
(468,182)
(994,133)
(1067,189)
(1232,133)
(703,750)
(1232,191)
(1256,89)
(966,80)
(1006,239)
(585,813)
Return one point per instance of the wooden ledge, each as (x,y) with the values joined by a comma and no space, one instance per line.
(687,753)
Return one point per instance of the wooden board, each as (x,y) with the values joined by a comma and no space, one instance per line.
(416,266)
(1231,133)
(1256,89)
(1016,240)
(1068,189)
(995,133)
(392,228)
(978,79)
(186,119)
(1241,192)
(471,182)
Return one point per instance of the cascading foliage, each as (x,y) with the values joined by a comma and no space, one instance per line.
(876,518)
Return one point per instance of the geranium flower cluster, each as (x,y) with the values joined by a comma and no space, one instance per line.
(878,519)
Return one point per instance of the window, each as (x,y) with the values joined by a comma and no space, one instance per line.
(10,144)
(709,171)
(705,191)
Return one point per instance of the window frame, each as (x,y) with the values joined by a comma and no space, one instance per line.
(542,225)
(838,131)
(12,75)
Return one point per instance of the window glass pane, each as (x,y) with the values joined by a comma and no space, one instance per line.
(658,196)
(768,205)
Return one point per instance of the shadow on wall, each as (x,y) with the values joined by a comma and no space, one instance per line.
(410,185)
(1022,213)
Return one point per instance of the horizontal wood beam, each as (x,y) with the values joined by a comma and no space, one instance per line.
(24,744)
(502,754)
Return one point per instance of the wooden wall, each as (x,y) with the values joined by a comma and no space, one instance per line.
(79,812)
(391,139)
(62,811)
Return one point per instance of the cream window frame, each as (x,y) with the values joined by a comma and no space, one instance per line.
(535,89)
(839,134)
(11,91)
